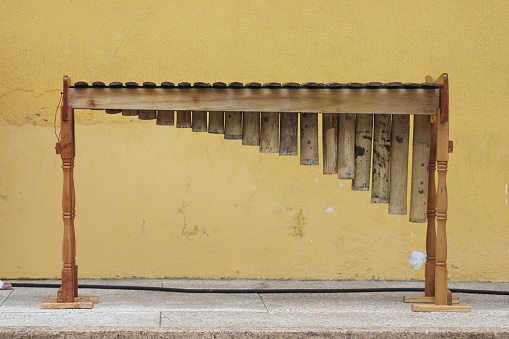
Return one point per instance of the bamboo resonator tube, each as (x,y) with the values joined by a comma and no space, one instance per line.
(366,142)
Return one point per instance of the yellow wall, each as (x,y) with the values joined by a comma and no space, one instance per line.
(157,201)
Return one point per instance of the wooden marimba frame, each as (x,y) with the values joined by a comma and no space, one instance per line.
(267,116)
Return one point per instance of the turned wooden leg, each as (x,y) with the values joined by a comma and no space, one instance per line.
(443,301)
(67,295)
(441,290)
(69,288)
(429,268)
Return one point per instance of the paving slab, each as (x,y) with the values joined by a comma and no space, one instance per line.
(77,318)
(4,294)
(141,314)
(23,299)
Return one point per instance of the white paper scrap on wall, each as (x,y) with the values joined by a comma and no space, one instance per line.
(416,259)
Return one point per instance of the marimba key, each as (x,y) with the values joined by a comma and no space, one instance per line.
(363,145)
(272,85)
(381,158)
(399,163)
(165,118)
(346,146)
(312,85)
(200,84)
(116,84)
(291,85)
(393,85)
(253,85)
(309,139)
(236,84)
(269,134)
(330,124)
(199,121)
(113,111)
(251,128)
(81,84)
(289,127)
(429,85)
(233,125)
(374,84)
(355,85)
(420,162)
(334,85)
(219,84)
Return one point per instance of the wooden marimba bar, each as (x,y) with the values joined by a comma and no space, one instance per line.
(365,136)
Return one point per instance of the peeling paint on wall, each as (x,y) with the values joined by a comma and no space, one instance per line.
(329,210)
(416,259)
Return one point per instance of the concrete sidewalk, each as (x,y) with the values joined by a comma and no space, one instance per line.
(133,314)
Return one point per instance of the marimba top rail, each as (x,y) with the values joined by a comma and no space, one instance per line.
(422,101)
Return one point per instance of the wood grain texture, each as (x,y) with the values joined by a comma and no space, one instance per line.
(269,134)
(216,122)
(147,114)
(363,146)
(183,119)
(69,288)
(233,125)
(380,169)
(199,121)
(288,139)
(425,299)
(251,129)
(165,118)
(420,163)
(305,100)
(346,146)
(81,298)
(309,139)
(399,164)
(67,305)
(330,124)
(431,233)
(442,154)
(440,308)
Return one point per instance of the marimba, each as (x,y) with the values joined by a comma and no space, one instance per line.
(365,130)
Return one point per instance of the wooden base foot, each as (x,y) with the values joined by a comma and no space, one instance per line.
(94,300)
(423,299)
(75,304)
(440,308)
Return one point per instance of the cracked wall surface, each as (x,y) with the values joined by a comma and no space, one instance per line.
(156,201)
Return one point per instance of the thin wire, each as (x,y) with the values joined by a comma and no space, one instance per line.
(55,120)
